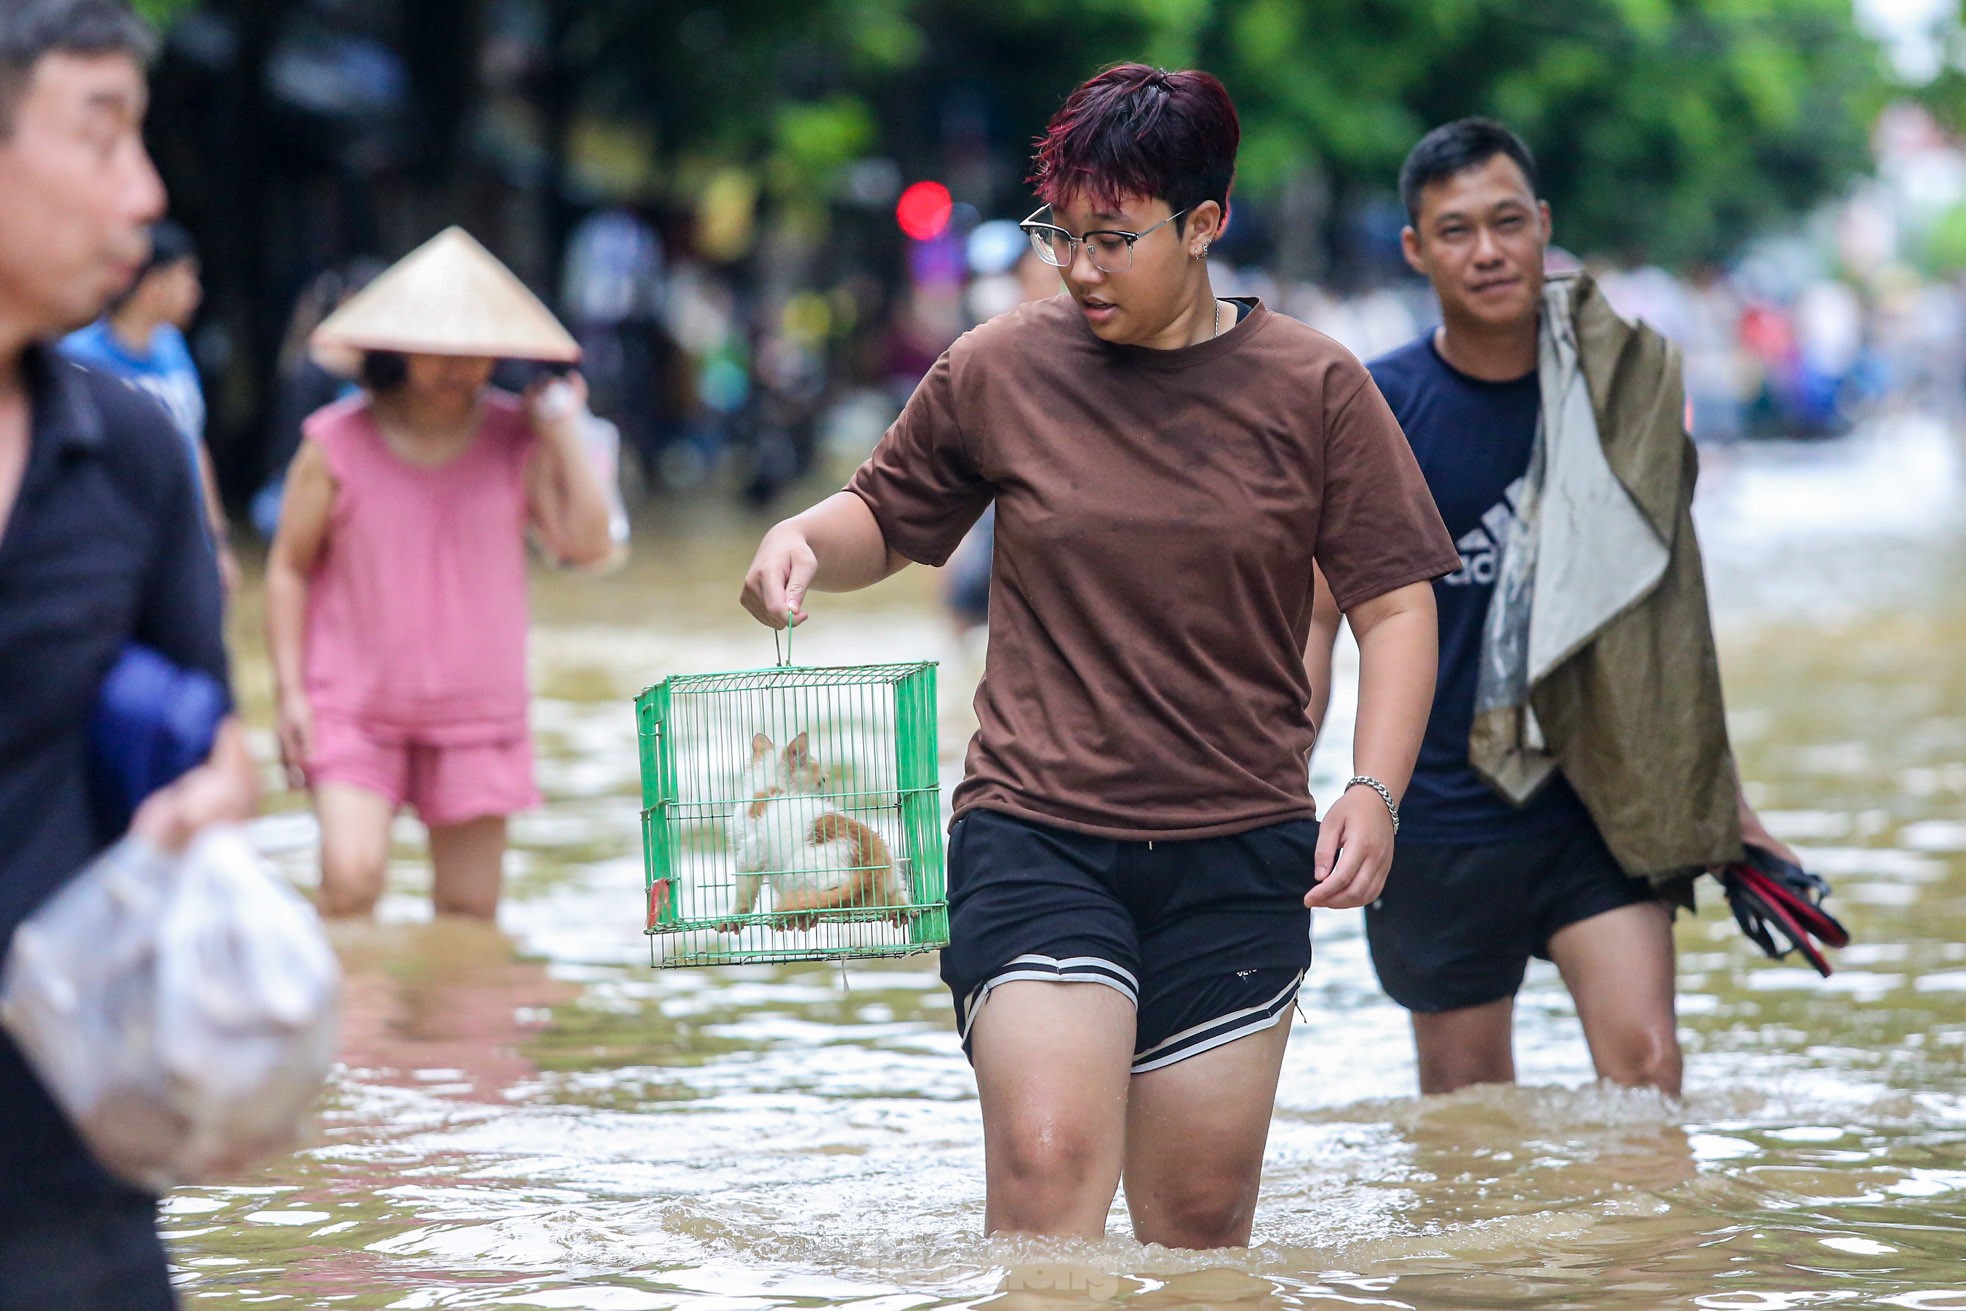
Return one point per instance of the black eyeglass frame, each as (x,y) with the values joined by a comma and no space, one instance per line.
(1035,230)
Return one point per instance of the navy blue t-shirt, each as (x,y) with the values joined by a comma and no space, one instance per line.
(1473,440)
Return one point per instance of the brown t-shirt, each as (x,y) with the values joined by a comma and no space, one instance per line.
(1157,515)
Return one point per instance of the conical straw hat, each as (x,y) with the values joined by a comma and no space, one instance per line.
(449,296)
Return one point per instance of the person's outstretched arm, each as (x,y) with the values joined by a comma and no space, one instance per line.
(1398,655)
(836,546)
(304,510)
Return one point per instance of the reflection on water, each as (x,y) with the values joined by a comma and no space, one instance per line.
(531,1117)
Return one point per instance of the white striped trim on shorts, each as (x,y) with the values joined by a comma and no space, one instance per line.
(1222,1029)
(1049,969)
(1092,969)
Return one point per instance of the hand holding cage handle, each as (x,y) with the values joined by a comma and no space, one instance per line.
(784,654)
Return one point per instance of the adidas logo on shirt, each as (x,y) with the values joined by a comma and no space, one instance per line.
(1481,548)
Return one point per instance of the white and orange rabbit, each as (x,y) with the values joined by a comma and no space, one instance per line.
(818,858)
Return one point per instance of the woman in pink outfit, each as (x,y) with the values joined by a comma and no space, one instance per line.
(396,587)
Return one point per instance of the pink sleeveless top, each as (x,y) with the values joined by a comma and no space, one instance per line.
(416,610)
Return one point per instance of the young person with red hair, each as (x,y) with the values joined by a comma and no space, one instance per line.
(1166,465)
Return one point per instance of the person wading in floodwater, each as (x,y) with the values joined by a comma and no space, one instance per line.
(1134,852)
(1575,774)
(396,590)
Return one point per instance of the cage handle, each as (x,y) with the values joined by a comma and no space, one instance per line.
(784,653)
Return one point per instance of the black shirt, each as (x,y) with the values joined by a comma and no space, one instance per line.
(105,545)
(1473,440)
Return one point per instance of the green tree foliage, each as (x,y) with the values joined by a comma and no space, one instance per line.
(757,80)
(1667,127)
(1945,95)
(160,12)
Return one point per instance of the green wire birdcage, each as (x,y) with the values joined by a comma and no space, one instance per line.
(792,813)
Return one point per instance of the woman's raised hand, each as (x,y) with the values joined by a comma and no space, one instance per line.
(555,400)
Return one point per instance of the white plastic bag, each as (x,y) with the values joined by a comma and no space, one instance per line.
(601,441)
(180,1008)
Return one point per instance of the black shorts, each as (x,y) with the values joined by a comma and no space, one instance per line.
(1458,922)
(1209,938)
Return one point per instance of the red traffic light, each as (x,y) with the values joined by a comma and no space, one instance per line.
(923,210)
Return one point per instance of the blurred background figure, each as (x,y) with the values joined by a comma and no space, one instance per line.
(303,383)
(397,597)
(611,292)
(140,338)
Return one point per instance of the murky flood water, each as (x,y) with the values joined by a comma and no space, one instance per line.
(534,1118)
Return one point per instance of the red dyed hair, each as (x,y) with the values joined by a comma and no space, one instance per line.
(1133,130)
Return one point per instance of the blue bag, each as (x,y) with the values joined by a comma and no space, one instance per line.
(153,721)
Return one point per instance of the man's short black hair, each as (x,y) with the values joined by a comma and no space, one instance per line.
(1455,148)
(31,30)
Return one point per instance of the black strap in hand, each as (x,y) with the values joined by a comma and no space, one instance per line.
(1778,904)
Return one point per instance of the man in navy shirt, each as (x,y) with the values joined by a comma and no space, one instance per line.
(1478,885)
(101,545)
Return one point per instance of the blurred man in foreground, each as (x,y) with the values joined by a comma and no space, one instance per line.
(101,545)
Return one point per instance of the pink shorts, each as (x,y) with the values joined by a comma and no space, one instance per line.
(446,784)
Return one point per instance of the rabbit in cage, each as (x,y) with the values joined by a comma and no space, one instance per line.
(818,857)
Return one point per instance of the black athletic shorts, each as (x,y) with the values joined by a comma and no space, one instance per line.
(1209,938)
(1458,922)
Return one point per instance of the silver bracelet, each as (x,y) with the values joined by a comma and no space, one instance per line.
(1385,795)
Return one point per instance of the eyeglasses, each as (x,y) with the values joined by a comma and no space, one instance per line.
(1111,250)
